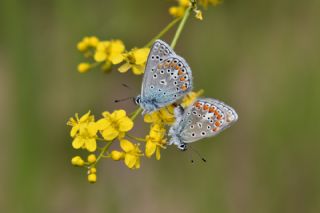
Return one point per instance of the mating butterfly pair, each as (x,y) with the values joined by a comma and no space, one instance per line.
(168,78)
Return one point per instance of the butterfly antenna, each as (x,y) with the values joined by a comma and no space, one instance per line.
(125,85)
(195,151)
(124,99)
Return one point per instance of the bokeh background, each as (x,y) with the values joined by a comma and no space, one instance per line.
(262,57)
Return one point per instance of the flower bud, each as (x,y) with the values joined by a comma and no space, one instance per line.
(84,67)
(92,158)
(92,178)
(116,155)
(77,161)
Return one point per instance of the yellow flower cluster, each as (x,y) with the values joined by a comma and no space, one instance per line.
(86,131)
(180,9)
(155,140)
(107,53)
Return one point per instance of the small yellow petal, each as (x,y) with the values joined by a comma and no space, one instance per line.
(124,67)
(116,58)
(138,69)
(118,114)
(158,156)
(85,117)
(110,133)
(91,144)
(126,145)
(117,46)
(150,149)
(130,160)
(125,124)
(102,124)
(77,143)
(93,41)
(141,55)
(74,131)
(100,56)
(82,46)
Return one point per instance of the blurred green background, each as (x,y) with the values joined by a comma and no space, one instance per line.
(261,57)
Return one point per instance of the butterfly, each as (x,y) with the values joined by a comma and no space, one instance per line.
(167,78)
(206,117)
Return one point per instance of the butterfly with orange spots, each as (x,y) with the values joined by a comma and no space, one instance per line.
(207,117)
(167,78)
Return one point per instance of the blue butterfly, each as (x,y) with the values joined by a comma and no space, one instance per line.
(167,78)
(205,118)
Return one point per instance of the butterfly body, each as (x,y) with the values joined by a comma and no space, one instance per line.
(167,78)
(205,118)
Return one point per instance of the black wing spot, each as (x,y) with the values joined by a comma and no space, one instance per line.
(203,133)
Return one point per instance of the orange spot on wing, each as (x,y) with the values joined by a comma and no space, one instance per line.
(215,129)
(212,109)
(219,116)
(182,79)
(205,107)
(183,88)
(197,104)
(217,123)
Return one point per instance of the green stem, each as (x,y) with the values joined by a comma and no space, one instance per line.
(136,138)
(136,113)
(180,27)
(104,149)
(164,31)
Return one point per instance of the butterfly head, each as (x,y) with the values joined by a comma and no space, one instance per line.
(137,100)
(146,104)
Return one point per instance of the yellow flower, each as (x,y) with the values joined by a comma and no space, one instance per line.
(136,60)
(178,11)
(87,42)
(131,154)
(114,125)
(205,3)
(163,116)
(84,132)
(190,98)
(110,51)
(155,141)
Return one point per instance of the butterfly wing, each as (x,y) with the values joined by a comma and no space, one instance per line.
(206,118)
(168,76)
(159,52)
